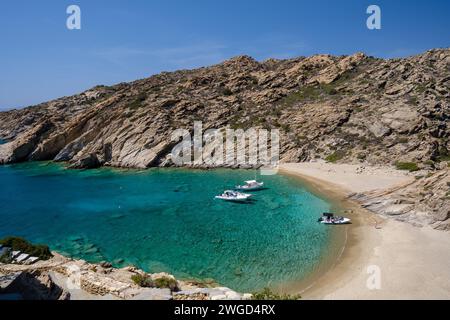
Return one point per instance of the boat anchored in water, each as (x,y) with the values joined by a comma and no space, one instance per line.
(330,218)
(229,195)
(250,185)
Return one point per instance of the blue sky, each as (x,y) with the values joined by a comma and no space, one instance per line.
(40,59)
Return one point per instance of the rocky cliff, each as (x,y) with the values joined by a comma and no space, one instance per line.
(345,108)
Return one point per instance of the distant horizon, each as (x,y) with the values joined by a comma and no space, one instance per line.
(43,59)
(206,66)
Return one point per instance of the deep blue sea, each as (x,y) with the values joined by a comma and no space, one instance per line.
(168,220)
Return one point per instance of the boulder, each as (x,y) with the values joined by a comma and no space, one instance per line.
(88,162)
(401,120)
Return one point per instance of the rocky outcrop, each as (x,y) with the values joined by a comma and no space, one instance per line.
(89,161)
(426,201)
(20,149)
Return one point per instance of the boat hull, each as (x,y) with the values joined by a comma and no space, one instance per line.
(243,199)
(249,189)
(343,221)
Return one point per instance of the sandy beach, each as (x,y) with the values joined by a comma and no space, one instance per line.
(383,258)
(349,178)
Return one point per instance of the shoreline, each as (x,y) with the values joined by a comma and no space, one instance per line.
(412,262)
(338,198)
(64,278)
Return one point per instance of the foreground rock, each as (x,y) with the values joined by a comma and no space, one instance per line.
(64,278)
(30,285)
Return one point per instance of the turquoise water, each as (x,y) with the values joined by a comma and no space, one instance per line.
(168,220)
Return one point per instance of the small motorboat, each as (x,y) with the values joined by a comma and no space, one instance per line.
(250,185)
(330,218)
(230,195)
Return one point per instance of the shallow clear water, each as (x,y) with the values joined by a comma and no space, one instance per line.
(168,220)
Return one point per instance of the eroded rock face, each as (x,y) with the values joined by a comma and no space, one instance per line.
(402,119)
(426,201)
(373,110)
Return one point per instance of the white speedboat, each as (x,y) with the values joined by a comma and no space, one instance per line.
(330,218)
(250,185)
(230,195)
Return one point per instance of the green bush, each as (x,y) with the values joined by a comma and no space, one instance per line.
(5,258)
(409,166)
(285,127)
(141,97)
(142,280)
(413,100)
(227,92)
(335,156)
(402,140)
(138,102)
(19,244)
(166,282)
(267,294)
(444,158)
(361,156)
(421,88)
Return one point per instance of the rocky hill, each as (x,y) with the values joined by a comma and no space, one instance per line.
(356,109)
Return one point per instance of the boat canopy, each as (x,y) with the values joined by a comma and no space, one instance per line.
(328,214)
(251,181)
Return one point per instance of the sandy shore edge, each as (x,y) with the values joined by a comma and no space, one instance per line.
(383,258)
